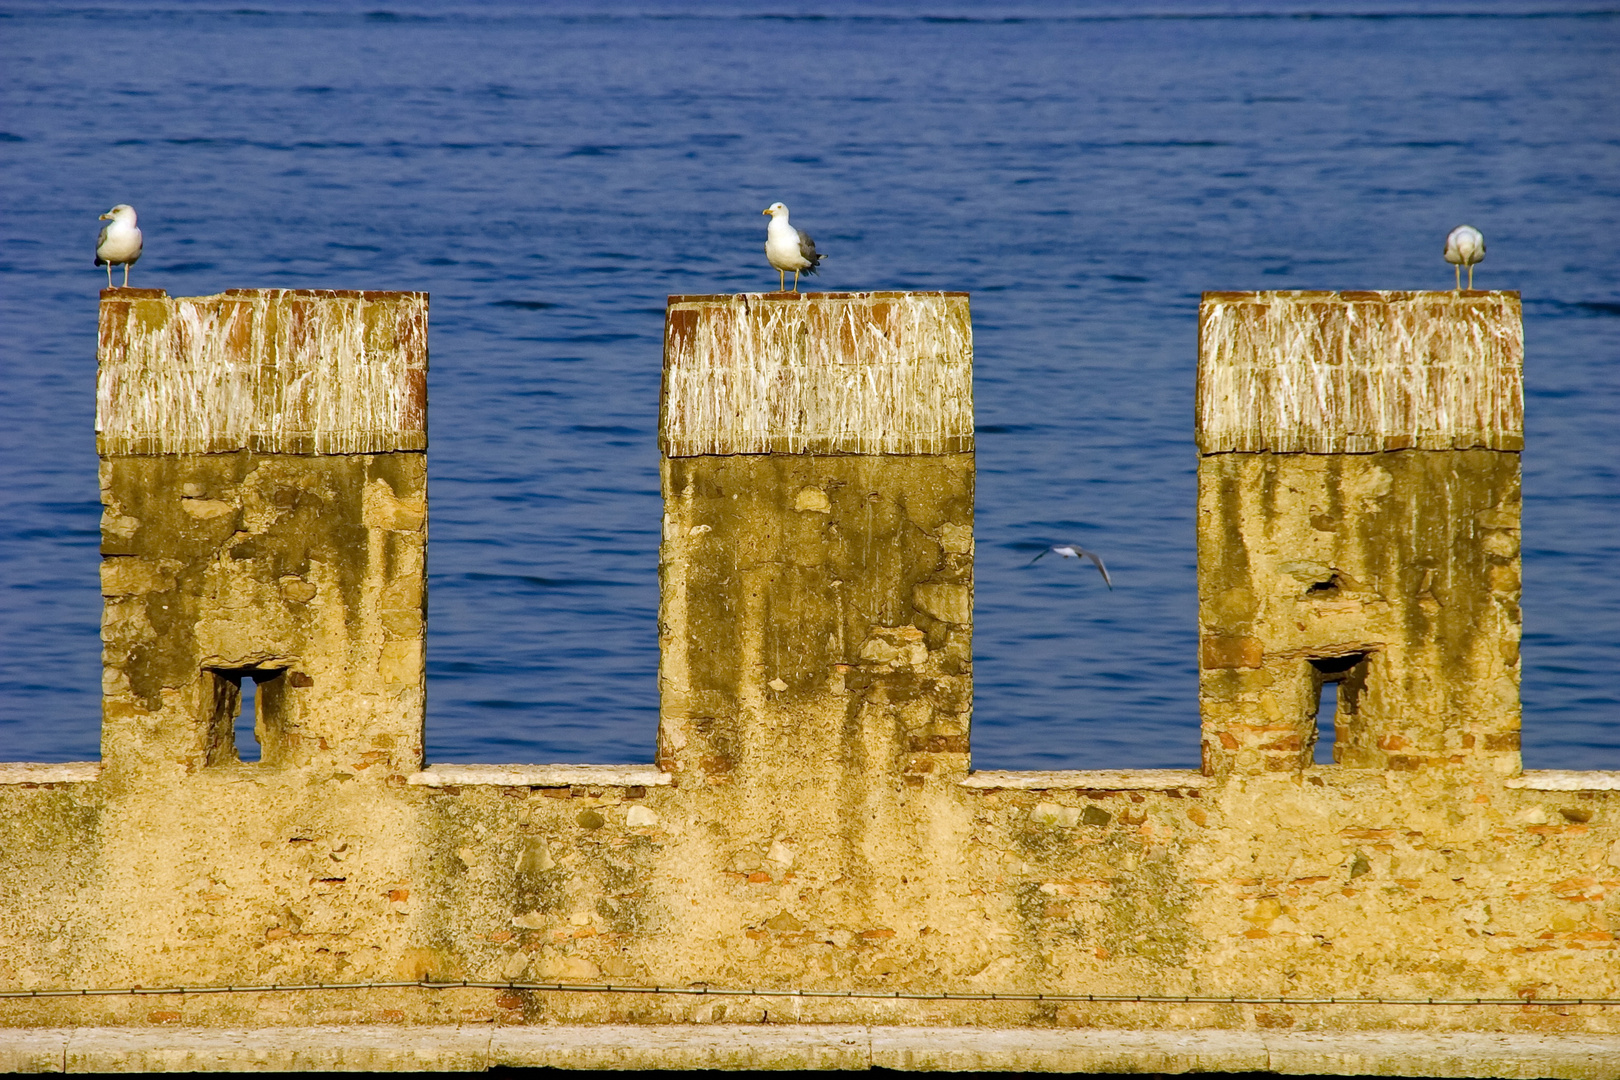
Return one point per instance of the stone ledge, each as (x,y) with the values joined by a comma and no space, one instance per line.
(438,776)
(1565,780)
(1359,372)
(49,772)
(392,1048)
(1089,779)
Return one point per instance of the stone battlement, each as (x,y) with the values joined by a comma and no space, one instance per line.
(810,873)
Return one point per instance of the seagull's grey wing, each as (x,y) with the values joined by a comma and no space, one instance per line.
(1039,557)
(807,248)
(101,239)
(1101,569)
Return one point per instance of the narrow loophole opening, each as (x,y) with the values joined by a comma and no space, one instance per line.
(246,712)
(1336,707)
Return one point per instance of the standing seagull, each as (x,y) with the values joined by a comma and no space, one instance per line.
(120,241)
(1465,247)
(1075,551)
(788,248)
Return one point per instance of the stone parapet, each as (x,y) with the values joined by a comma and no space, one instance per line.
(1358,524)
(817,559)
(265,517)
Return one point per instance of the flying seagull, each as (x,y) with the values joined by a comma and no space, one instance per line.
(120,241)
(788,248)
(1075,551)
(1465,247)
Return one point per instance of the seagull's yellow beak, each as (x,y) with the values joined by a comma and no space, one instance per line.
(766,212)
(104,217)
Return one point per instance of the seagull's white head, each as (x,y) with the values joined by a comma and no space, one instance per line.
(123,213)
(775,210)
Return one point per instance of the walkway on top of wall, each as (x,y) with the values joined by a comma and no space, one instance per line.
(78,772)
(789,1046)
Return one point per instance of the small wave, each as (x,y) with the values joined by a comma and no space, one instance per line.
(1596,307)
(531,580)
(1167,142)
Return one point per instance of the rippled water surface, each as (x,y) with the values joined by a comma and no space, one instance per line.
(1084,170)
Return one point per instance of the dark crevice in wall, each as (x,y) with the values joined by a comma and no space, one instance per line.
(246,719)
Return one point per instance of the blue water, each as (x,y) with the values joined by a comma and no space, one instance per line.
(551,173)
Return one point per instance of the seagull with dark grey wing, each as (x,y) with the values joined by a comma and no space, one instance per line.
(1465,246)
(1075,551)
(788,248)
(119,242)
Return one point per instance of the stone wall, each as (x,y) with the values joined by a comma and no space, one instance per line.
(811,848)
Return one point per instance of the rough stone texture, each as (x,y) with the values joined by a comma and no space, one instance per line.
(816,609)
(1358,372)
(288,371)
(1395,574)
(818,373)
(1392,571)
(303,574)
(819,828)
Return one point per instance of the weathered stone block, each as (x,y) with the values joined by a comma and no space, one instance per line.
(817,581)
(1393,571)
(300,572)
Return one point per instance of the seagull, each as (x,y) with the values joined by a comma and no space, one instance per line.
(1465,247)
(788,248)
(1075,551)
(119,242)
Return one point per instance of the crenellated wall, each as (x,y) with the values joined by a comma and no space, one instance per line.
(811,875)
